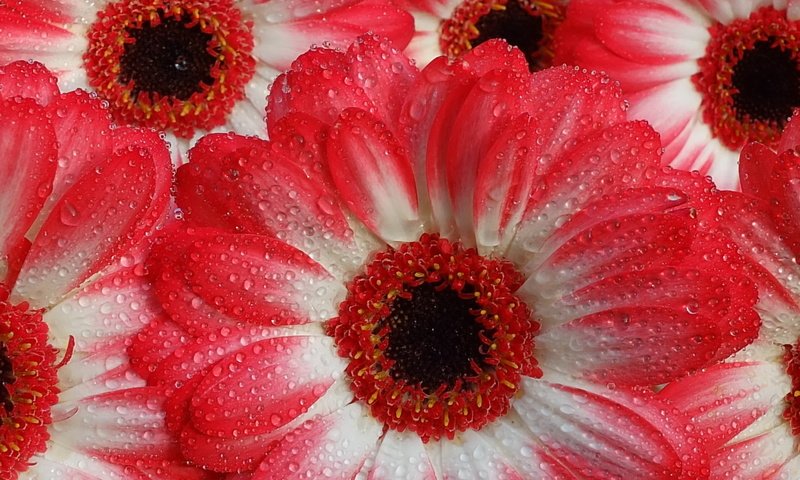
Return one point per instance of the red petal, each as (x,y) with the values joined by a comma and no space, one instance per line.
(29,80)
(374,177)
(264,386)
(27,167)
(595,437)
(725,399)
(263,191)
(250,278)
(154,343)
(102,215)
(345,438)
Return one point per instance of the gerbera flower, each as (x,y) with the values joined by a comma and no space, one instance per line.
(78,199)
(451,27)
(748,408)
(708,75)
(459,272)
(185,66)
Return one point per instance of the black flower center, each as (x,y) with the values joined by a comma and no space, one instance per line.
(767,81)
(515,25)
(433,338)
(6,378)
(170,58)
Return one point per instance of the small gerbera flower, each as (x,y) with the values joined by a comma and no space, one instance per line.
(77,201)
(455,273)
(748,408)
(451,27)
(185,66)
(708,75)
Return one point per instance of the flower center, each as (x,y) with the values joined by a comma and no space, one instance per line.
(750,77)
(526,24)
(171,65)
(29,387)
(436,339)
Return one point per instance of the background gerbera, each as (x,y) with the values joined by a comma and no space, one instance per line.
(185,66)
(456,272)
(748,408)
(451,27)
(77,203)
(708,75)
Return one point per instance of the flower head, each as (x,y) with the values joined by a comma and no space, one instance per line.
(185,66)
(79,201)
(452,27)
(747,408)
(710,76)
(471,261)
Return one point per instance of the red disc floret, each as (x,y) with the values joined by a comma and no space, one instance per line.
(229,46)
(767,29)
(28,387)
(461,31)
(506,337)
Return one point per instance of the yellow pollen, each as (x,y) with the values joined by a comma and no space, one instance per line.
(373,397)
(479,400)
(796,393)
(398,412)
(508,384)
(446,418)
(498,6)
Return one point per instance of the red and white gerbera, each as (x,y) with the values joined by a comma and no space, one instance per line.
(451,27)
(185,66)
(709,75)
(748,408)
(78,200)
(459,272)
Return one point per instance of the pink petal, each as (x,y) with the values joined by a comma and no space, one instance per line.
(264,386)
(725,399)
(29,80)
(595,437)
(345,439)
(374,177)
(27,166)
(102,215)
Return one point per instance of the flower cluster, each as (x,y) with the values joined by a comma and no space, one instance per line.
(399,239)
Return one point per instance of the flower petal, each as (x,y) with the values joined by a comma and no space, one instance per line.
(264,386)
(249,278)
(333,446)
(595,437)
(27,167)
(401,454)
(726,399)
(102,215)
(374,176)
(28,80)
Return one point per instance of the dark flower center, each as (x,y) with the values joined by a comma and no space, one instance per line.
(514,24)
(434,338)
(750,77)
(767,83)
(6,378)
(28,386)
(170,57)
(175,65)
(526,24)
